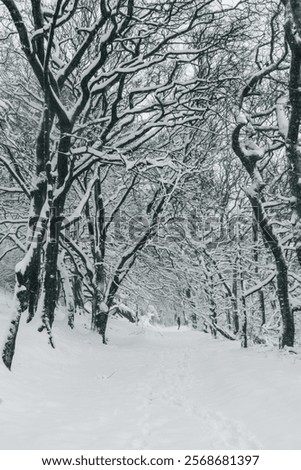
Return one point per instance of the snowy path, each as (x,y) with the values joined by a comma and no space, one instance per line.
(149,389)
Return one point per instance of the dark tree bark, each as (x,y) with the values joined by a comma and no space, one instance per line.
(292,125)
(234,299)
(249,161)
(20,306)
(260,293)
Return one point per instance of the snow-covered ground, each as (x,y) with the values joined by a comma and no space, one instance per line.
(150,388)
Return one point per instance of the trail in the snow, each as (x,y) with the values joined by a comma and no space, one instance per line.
(174,407)
(148,389)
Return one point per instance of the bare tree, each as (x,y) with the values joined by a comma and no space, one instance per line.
(102,98)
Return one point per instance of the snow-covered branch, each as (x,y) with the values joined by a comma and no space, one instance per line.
(260,285)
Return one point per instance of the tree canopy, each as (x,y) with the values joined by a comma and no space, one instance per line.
(150,164)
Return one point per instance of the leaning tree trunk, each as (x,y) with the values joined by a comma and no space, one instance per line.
(28,271)
(288,326)
(24,272)
(27,275)
(20,304)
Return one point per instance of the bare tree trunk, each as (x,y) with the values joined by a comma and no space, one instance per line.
(231,294)
(212,304)
(38,201)
(24,269)
(260,293)
(234,300)
(28,271)
(244,321)
(229,320)
(69,291)
(97,230)
(56,204)
(50,287)
(290,128)
(193,316)
(244,336)
(20,304)
(249,160)
(262,307)
(288,326)
(194,321)
(34,283)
